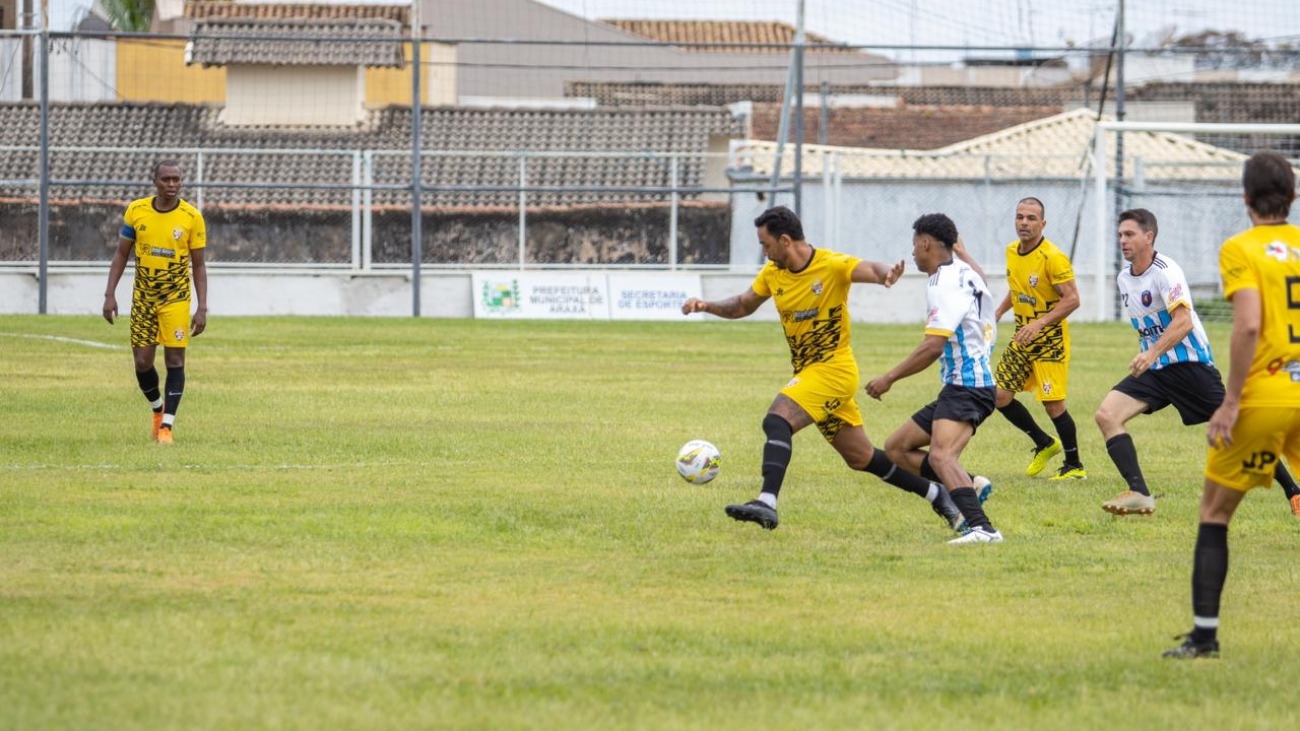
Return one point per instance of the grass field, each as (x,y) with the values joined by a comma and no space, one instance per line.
(477,525)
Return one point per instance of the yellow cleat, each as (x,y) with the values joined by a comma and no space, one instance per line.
(157,424)
(165,435)
(1069,472)
(1041,456)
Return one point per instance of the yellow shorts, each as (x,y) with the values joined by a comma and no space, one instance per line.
(1262,436)
(167,325)
(1019,371)
(828,392)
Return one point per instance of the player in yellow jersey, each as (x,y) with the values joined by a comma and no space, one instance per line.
(811,289)
(1259,420)
(1042,293)
(168,237)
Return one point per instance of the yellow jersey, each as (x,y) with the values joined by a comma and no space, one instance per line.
(1267,259)
(814,306)
(163,242)
(1032,279)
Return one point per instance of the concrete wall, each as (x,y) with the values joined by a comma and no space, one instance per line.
(282,95)
(234,292)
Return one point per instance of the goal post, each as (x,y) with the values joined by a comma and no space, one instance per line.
(1189,175)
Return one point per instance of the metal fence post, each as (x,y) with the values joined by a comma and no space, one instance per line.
(198,175)
(367,202)
(523,203)
(672,214)
(356,210)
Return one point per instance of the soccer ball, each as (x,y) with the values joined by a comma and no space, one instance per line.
(698,462)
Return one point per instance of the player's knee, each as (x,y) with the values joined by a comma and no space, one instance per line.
(776,427)
(1003,398)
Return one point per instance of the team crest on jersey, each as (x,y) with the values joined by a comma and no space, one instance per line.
(1047,389)
(1033,280)
(177,234)
(817,288)
(1146,298)
(180,335)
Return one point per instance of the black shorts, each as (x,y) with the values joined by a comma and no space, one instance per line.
(958,403)
(1195,389)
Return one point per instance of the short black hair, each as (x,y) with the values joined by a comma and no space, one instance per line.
(937,226)
(1146,220)
(780,220)
(168,162)
(1269,183)
(1042,209)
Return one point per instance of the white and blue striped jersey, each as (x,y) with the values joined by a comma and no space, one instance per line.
(961,310)
(1149,297)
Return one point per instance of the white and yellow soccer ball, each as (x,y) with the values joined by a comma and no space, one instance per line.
(698,461)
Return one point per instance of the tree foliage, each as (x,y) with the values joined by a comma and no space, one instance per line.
(128,15)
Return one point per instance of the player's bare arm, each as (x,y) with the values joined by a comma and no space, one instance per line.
(115,270)
(926,353)
(1003,307)
(877,272)
(1246,318)
(732,308)
(1068,303)
(959,249)
(1180,325)
(199,264)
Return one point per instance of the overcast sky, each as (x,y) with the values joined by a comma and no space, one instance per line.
(934,22)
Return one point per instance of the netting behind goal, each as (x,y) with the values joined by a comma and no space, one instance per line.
(1189,176)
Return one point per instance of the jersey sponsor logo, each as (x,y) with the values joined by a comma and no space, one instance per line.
(1152,333)
(1146,298)
(1290,367)
(793,382)
(142,228)
(159,251)
(1026,299)
(1261,461)
(1276,250)
(802,315)
(1176,293)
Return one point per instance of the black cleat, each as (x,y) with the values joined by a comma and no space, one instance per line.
(755,511)
(1191,649)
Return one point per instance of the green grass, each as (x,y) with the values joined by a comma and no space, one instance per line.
(476,525)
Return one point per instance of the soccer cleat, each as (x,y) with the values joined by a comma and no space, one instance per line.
(1192,650)
(1041,456)
(165,435)
(157,422)
(755,511)
(1295,505)
(979,535)
(1069,472)
(983,489)
(1130,503)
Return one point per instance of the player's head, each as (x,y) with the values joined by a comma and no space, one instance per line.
(933,237)
(1137,233)
(778,230)
(1031,218)
(167,178)
(1268,185)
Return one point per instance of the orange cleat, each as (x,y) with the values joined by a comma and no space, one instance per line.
(165,435)
(157,423)
(1295,505)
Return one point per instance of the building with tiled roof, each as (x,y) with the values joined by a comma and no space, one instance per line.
(699,36)
(1048,148)
(903,127)
(467,147)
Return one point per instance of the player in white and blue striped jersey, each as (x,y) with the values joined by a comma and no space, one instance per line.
(959,332)
(1175,364)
